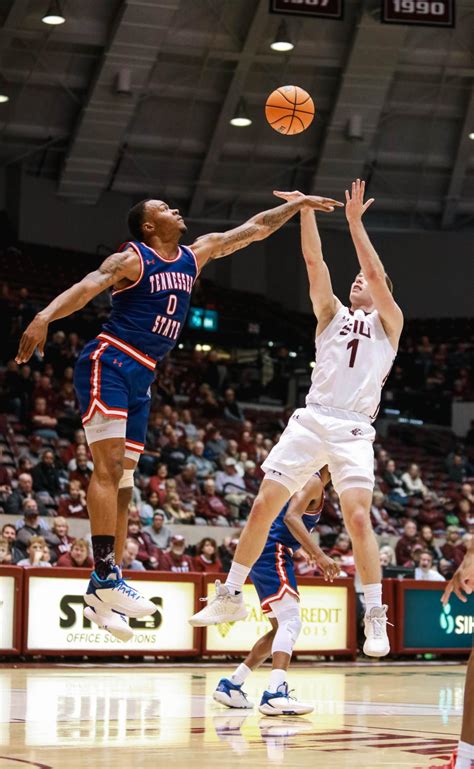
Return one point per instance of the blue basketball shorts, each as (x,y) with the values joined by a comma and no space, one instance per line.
(273,575)
(113,378)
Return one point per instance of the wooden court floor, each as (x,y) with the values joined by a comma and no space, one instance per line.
(137,717)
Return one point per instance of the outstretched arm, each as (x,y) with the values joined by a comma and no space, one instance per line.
(115,268)
(370,262)
(462,583)
(219,244)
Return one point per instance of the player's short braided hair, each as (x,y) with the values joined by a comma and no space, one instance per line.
(135,219)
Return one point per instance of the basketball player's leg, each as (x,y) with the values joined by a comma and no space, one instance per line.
(465,754)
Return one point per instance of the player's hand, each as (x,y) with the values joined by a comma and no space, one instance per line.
(355,206)
(315,202)
(329,568)
(34,336)
(462,581)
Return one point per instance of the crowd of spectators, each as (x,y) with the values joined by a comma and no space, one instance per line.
(202,466)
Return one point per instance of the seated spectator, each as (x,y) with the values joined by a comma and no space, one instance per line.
(412,482)
(453,549)
(406,543)
(149,508)
(46,478)
(425,570)
(78,556)
(176,511)
(231,408)
(187,486)
(231,485)
(343,548)
(69,453)
(446,568)
(251,480)
(384,559)
(42,420)
(14,503)
(465,511)
(60,529)
(204,467)
(431,512)
(389,552)
(174,454)
(9,534)
(146,548)
(5,553)
(392,478)
(74,504)
(175,558)
(129,557)
(226,552)
(427,539)
(211,508)
(157,483)
(380,518)
(216,445)
(83,470)
(81,458)
(157,531)
(32,527)
(35,552)
(33,453)
(206,559)
(189,428)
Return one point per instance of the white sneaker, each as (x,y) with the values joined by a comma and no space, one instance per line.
(116,624)
(114,593)
(225,607)
(375,622)
(231,695)
(280,703)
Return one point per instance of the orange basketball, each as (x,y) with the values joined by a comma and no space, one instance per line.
(289,109)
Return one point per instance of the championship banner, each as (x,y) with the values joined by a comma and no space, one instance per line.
(327,614)
(11,581)
(55,624)
(425,625)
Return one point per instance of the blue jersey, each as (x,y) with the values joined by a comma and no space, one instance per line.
(149,315)
(280,533)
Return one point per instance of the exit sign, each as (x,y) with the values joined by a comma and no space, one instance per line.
(327,9)
(428,13)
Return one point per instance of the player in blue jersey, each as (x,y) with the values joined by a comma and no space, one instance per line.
(152,277)
(274,579)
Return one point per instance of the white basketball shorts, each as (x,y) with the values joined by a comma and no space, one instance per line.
(316,436)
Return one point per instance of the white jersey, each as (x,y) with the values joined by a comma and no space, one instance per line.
(353,360)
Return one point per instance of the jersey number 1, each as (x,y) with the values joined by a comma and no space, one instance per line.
(352,346)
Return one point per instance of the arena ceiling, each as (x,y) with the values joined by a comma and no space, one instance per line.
(192,61)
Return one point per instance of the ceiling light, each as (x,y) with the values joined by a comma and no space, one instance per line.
(282,40)
(54,15)
(241,118)
(4,98)
(471,135)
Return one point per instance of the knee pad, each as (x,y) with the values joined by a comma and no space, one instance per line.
(126,481)
(289,628)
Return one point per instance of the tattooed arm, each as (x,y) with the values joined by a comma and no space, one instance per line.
(125,265)
(218,244)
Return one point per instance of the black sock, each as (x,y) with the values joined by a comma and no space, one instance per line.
(104,558)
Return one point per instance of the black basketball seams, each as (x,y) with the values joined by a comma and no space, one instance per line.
(302,124)
(286,97)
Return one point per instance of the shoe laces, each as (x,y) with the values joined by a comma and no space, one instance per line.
(218,596)
(378,625)
(122,587)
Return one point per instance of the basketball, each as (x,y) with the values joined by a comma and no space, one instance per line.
(289,109)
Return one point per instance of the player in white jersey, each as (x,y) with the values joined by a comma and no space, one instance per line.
(355,349)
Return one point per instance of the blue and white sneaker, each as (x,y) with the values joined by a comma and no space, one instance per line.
(107,619)
(231,695)
(114,593)
(280,703)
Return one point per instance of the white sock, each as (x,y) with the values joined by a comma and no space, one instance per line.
(465,757)
(240,674)
(372,595)
(277,677)
(236,577)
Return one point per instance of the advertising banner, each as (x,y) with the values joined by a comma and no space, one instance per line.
(327,614)
(424,624)
(11,580)
(55,622)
